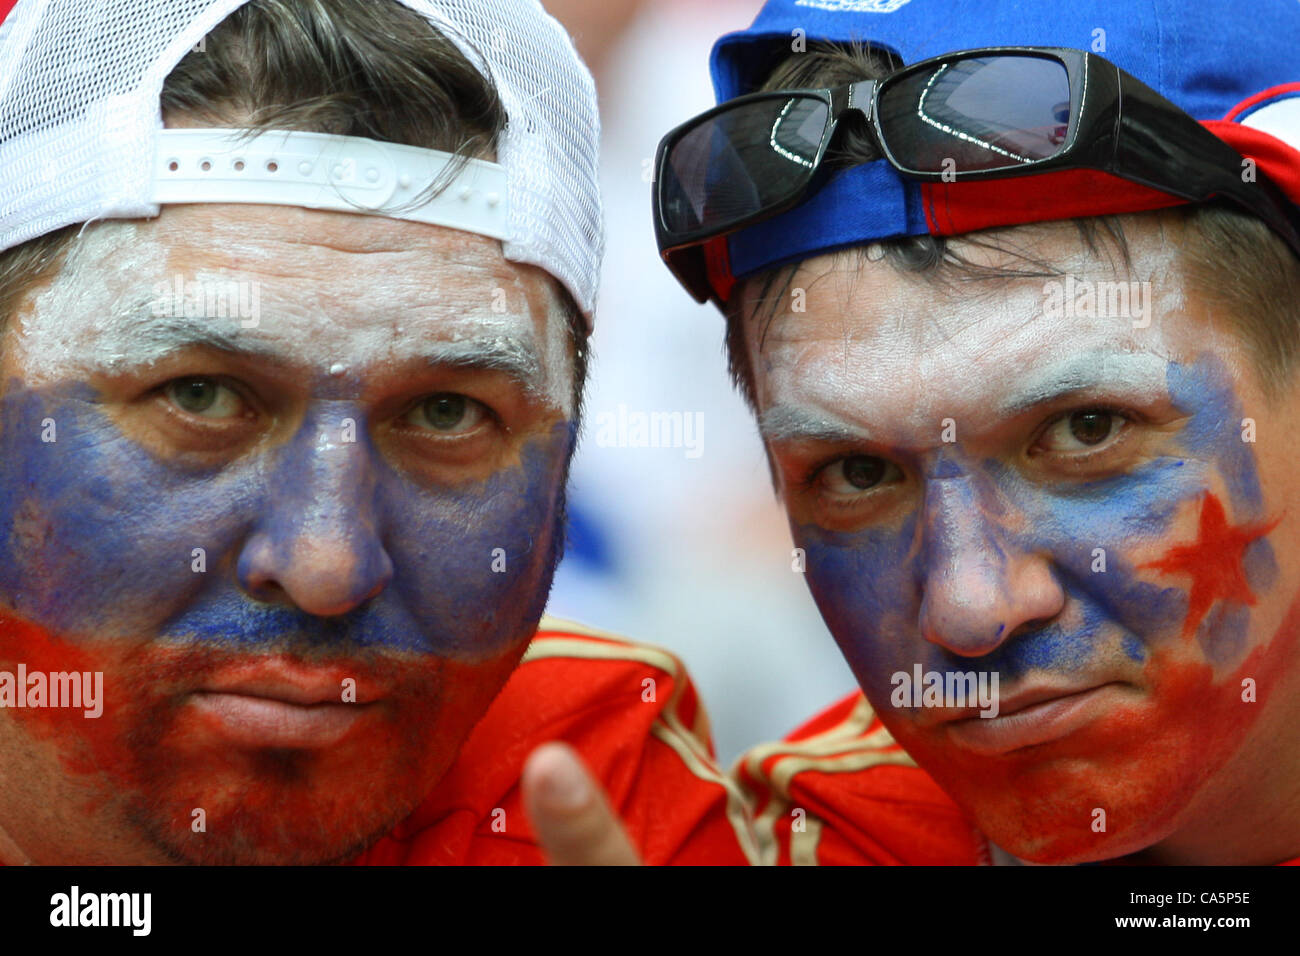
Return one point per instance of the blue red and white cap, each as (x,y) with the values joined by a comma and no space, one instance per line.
(1232,66)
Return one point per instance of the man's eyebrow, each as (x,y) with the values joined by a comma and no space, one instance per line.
(165,335)
(786,423)
(1140,373)
(512,355)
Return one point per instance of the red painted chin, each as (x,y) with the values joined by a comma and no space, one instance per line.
(282,769)
(1141,759)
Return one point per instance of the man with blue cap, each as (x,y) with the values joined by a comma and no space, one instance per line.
(1038,470)
(1012,290)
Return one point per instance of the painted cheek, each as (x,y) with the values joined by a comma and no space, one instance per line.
(1213,431)
(1088,533)
(1126,519)
(1120,521)
(1215,434)
(100,535)
(865,589)
(476,563)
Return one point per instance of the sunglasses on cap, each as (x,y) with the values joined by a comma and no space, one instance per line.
(991,113)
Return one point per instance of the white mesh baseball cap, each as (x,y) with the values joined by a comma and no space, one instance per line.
(82,139)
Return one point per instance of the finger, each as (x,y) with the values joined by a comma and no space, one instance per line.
(569,813)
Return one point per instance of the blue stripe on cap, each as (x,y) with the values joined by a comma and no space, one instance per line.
(857,205)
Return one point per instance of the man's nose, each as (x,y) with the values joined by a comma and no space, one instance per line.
(979,587)
(317,544)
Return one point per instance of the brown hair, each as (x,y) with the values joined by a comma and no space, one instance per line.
(372,68)
(1232,259)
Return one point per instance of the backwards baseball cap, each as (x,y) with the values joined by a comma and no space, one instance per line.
(82,137)
(1234,68)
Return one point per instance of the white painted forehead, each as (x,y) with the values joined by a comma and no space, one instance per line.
(111,306)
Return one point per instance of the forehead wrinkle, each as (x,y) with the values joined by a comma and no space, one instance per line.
(931,383)
(918,324)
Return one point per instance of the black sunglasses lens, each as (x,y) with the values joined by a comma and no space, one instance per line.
(979,113)
(740,162)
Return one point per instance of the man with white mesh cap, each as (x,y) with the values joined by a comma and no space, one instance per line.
(293,305)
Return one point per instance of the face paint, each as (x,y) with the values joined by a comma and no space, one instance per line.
(987,506)
(991,568)
(309,554)
(91,506)
(162,764)
(1215,563)
(1141,763)
(872,588)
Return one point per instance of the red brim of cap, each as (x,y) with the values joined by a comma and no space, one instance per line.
(955,208)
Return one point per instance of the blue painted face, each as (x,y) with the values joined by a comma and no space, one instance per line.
(106,534)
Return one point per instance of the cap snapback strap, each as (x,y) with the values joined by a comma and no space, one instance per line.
(329,172)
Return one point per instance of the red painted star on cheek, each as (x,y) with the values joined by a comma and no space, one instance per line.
(1213,562)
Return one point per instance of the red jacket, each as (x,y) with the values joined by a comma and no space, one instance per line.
(648,744)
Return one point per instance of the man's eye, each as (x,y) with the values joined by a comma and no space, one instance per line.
(856,474)
(452,414)
(205,397)
(1082,430)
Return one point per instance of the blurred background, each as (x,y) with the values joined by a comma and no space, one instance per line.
(684,547)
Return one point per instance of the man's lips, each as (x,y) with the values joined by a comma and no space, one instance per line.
(1032,716)
(295,682)
(262,722)
(276,703)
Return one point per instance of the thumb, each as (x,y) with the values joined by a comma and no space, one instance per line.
(569,813)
